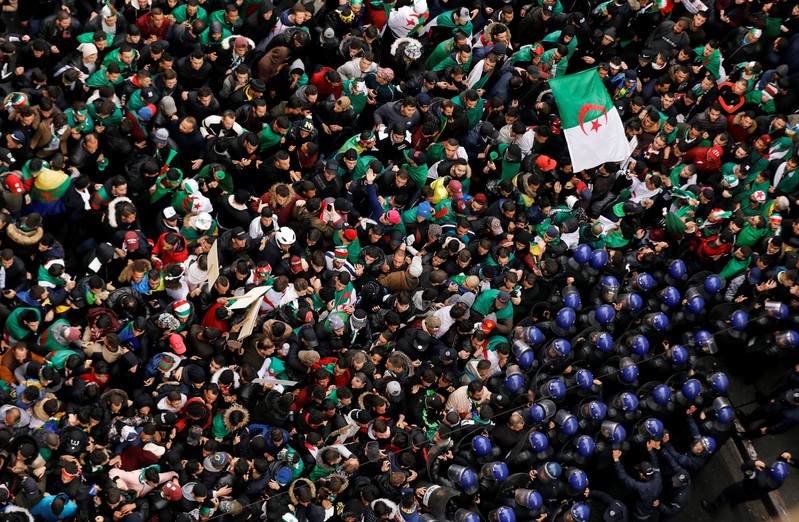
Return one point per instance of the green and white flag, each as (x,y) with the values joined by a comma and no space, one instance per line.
(591,124)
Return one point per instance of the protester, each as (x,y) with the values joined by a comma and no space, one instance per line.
(313,262)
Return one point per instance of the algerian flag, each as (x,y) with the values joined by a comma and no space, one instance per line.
(591,124)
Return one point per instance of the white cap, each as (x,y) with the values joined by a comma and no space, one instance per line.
(203,221)
(416,267)
(169,213)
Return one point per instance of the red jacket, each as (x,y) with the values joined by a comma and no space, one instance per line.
(184,420)
(325,89)
(148,30)
(699,157)
(210,319)
(178,255)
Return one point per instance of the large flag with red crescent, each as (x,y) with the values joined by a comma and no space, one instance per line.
(591,124)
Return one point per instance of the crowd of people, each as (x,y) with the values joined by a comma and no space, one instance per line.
(330,261)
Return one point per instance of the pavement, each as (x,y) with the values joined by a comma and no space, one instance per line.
(783,504)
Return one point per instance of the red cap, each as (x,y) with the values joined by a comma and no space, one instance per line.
(715,152)
(14,184)
(456,188)
(131,240)
(177,344)
(296,265)
(766,139)
(546,163)
(480,198)
(350,234)
(172,491)
(487,326)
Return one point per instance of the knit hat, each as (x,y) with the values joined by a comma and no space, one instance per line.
(358,318)
(385,73)
(308,357)
(335,322)
(161,136)
(72,334)
(87,49)
(432,322)
(350,234)
(393,217)
(769,91)
(341,253)
(182,308)
(166,363)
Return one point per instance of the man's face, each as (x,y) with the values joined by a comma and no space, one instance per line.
(699,20)
(90,144)
(713,114)
(157,19)
(196,63)
(407,110)
(186,127)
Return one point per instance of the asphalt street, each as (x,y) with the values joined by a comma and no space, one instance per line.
(724,469)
